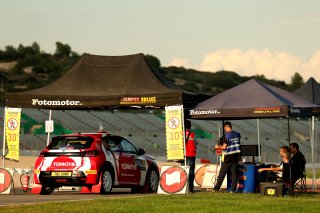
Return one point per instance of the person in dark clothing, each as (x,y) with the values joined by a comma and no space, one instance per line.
(274,173)
(191,152)
(230,156)
(298,162)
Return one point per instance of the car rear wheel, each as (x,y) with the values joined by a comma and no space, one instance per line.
(106,182)
(46,190)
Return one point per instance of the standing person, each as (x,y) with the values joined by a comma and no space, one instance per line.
(191,152)
(230,156)
(298,162)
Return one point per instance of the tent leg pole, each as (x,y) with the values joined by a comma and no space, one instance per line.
(312,155)
(291,185)
(4,138)
(259,148)
(48,138)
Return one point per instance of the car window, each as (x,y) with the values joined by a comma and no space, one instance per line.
(71,142)
(127,146)
(113,144)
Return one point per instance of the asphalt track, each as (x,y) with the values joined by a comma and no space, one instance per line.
(21,198)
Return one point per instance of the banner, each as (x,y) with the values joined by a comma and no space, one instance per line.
(173,180)
(12,132)
(174,132)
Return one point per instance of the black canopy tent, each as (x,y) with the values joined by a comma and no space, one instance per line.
(311,92)
(106,82)
(254,99)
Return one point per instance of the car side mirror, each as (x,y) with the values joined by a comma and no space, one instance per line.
(141,151)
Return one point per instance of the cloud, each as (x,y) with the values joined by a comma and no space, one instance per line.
(272,64)
(179,62)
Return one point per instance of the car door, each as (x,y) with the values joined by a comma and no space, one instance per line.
(129,172)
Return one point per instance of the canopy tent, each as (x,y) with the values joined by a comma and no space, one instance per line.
(253,99)
(104,82)
(311,92)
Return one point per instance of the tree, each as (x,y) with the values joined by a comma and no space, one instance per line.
(154,61)
(296,81)
(62,50)
(10,53)
(36,47)
(207,86)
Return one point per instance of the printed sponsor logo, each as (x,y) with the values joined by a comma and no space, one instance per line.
(126,166)
(64,164)
(141,164)
(266,110)
(138,100)
(294,110)
(91,172)
(204,112)
(44,102)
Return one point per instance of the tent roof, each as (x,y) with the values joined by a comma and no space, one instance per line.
(253,99)
(310,91)
(105,82)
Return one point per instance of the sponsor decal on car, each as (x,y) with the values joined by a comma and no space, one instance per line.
(63,163)
(141,164)
(91,172)
(126,166)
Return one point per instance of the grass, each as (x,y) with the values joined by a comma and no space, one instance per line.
(309,173)
(197,202)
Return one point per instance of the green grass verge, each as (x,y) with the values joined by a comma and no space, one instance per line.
(309,173)
(197,202)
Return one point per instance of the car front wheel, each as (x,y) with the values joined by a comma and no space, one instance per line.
(153,180)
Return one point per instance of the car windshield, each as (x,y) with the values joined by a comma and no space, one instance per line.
(74,142)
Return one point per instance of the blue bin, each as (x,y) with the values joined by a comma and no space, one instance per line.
(248,175)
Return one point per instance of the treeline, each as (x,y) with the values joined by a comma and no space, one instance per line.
(212,83)
(28,67)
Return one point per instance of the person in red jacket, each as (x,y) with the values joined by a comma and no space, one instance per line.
(191,152)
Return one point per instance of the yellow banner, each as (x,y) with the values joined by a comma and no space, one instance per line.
(174,133)
(12,132)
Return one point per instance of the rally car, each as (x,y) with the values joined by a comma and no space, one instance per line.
(97,162)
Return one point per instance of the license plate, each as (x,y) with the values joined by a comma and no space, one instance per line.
(61,174)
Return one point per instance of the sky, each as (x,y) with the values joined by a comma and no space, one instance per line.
(274,38)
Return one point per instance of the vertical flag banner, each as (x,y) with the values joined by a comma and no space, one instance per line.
(174,132)
(12,132)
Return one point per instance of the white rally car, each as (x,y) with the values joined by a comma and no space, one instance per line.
(97,162)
